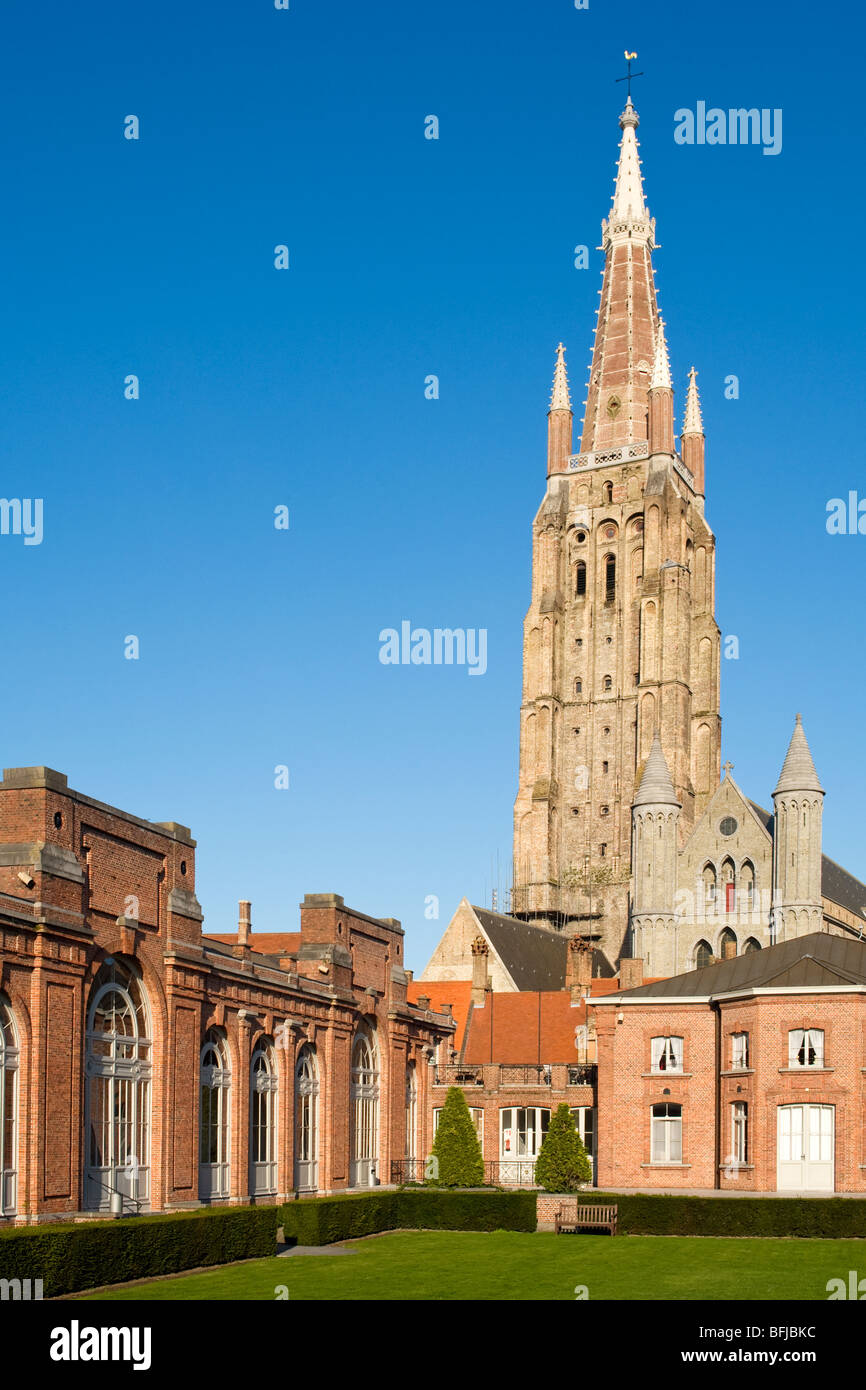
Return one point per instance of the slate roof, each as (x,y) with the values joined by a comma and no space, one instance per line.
(534,957)
(811,962)
(836,883)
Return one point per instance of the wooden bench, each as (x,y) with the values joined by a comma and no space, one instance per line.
(587,1217)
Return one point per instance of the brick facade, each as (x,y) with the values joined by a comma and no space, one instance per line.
(83,885)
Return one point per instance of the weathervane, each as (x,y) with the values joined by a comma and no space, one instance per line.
(630,58)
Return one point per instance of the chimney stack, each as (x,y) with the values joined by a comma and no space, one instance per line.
(244,923)
(630,972)
(480,977)
(578,968)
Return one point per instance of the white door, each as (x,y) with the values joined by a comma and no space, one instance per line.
(806,1148)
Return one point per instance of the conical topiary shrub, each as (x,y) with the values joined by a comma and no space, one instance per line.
(456,1150)
(562,1163)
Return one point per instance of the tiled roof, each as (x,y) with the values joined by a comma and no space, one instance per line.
(536,1026)
(267,943)
(812,961)
(457,993)
(534,957)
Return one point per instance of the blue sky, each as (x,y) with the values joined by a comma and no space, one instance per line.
(306,388)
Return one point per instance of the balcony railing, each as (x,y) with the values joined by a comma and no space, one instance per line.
(584,1074)
(510,1172)
(524,1076)
(408,1170)
(458,1076)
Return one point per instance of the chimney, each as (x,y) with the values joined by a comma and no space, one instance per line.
(630,972)
(423,1001)
(578,968)
(244,923)
(480,978)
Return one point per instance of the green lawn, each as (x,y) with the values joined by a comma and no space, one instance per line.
(510,1265)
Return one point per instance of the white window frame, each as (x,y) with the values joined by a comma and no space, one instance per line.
(9,1060)
(808,1041)
(739,1052)
(365,1111)
(264,1091)
(666,1134)
(118,1073)
(214,1174)
(740,1131)
(667,1056)
(477,1114)
(307,1120)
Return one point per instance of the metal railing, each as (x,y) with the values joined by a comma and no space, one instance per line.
(458,1076)
(408,1170)
(510,1172)
(584,1074)
(538,1075)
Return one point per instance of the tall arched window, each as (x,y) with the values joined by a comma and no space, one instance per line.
(727,944)
(365,1111)
(263,1120)
(609,579)
(214,1166)
(607,492)
(709,881)
(751,945)
(8,1111)
(747,886)
(729,899)
(117,1100)
(306,1121)
(703,955)
(580,578)
(411,1114)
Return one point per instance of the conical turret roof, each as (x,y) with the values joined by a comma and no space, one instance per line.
(798,770)
(656,786)
(560,398)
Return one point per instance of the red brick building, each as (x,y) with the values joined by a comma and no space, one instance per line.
(146,1066)
(744,1075)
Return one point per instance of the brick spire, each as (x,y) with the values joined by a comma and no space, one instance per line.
(625,336)
(559,417)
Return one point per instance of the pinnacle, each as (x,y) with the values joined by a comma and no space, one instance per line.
(560,398)
(661,376)
(693,423)
(798,770)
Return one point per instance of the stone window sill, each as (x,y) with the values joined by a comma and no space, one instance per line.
(665,1165)
(666,1075)
(804,1071)
(742,1071)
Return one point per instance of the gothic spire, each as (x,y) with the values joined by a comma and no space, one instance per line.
(559,418)
(627,328)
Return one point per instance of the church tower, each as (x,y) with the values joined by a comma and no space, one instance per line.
(655,815)
(620,640)
(799,804)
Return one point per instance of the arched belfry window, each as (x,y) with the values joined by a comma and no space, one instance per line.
(9,1055)
(307,1120)
(703,955)
(607,493)
(365,1111)
(263,1120)
(609,579)
(214,1118)
(580,578)
(118,1092)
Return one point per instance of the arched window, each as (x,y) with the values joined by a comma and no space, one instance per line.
(214,1120)
(608,683)
(703,955)
(729,885)
(751,945)
(727,944)
(263,1120)
(365,1112)
(580,578)
(709,880)
(607,492)
(411,1114)
(578,686)
(747,886)
(8,1111)
(609,579)
(306,1121)
(117,1100)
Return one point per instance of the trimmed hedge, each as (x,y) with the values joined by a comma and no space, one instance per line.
(323,1220)
(664,1215)
(69,1257)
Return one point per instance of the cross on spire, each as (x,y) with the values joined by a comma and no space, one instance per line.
(630,58)
(728,766)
